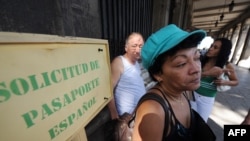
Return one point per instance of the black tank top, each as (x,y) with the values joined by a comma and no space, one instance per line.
(175,130)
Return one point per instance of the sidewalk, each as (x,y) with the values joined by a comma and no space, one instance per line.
(231,107)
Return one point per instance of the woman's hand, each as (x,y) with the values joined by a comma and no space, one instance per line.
(220,82)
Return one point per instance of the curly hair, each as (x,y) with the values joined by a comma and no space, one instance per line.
(223,56)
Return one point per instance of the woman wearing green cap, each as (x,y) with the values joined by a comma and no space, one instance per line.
(163,113)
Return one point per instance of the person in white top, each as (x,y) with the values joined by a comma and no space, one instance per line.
(128,85)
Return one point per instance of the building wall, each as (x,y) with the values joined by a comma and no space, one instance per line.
(54,17)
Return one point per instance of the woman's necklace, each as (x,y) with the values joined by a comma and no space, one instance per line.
(176,99)
(173,98)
